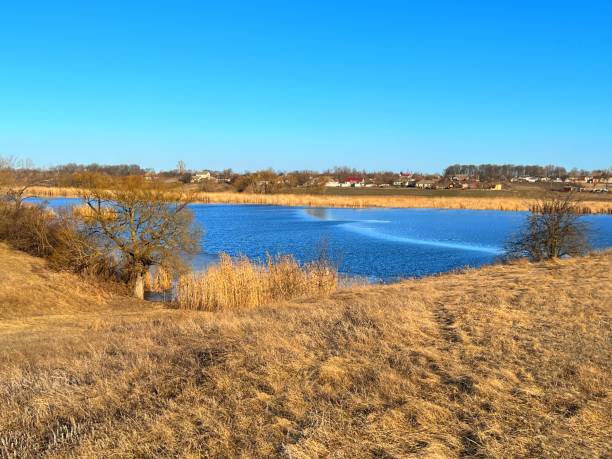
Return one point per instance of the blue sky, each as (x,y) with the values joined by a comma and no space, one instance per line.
(290,84)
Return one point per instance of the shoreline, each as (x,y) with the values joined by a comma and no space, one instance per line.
(391,201)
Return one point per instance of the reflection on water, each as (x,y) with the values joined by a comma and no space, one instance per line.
(375,244)
(317,212)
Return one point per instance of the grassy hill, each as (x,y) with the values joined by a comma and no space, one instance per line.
(503,361)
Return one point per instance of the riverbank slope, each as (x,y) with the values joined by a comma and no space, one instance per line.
(509,360)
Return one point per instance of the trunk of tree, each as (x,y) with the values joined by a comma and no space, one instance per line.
(139,287)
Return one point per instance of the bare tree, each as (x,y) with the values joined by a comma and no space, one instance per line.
(17,194)
(144,228)
(553,229)
(17,177)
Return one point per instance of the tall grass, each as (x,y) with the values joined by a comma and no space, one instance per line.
(242,283)
(158,280)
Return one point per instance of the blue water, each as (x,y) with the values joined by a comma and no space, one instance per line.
(379,244)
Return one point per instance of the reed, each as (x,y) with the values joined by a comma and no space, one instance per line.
(242,283)
(494,202)
(85,213)
(158,280)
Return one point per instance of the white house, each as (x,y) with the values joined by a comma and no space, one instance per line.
(197,178)
(426,184)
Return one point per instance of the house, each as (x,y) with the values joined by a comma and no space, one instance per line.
(449,184)
(404,179)
(353,181)
(200,177)
(426,184)
(333,184)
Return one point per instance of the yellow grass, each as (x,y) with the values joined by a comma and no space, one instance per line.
(85,212)
(241,283)
(494,202)
(157,280)
(505,361)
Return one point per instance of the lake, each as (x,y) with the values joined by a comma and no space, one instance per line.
(381,245)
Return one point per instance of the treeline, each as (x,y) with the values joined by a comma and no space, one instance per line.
(508,171)
(118,170)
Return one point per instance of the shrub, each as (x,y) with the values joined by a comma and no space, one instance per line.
(31,229)
(554,229)
(56,236)
(242,283)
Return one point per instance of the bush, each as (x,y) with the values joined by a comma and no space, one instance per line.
(41,232)
(554,229)
(31,229)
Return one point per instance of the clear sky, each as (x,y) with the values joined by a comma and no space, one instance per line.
(401,85)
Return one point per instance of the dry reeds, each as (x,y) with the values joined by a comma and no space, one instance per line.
(242,283)
(85,213)
(158,280)
(492,202)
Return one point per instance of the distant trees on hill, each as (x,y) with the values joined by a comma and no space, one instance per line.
(488,172)
(504,171)
(118,170)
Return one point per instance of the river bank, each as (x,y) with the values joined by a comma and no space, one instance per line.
(492,202)
(445,366)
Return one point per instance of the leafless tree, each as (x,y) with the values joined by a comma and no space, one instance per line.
(553,229)
(16,180)
(144,228)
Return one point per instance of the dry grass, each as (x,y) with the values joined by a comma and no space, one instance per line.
(158,280)
(506,361)
(241,283)
(493,202)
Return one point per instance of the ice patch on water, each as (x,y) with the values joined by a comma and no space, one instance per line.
(371,232)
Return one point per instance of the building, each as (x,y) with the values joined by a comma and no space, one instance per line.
(426,184)
(200,177)
(353,181)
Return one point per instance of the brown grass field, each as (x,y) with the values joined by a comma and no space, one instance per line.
(444,199)
(505,361)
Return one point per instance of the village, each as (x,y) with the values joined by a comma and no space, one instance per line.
(270,181)
(339,180)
